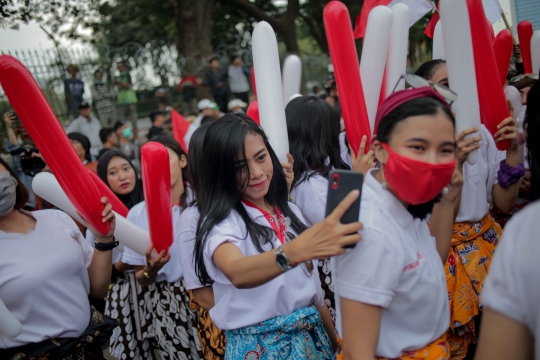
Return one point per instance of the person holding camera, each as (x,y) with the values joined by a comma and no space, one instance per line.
(18,144)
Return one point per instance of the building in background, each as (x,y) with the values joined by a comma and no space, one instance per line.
(526,10)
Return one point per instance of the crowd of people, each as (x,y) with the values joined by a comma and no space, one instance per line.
(258,269)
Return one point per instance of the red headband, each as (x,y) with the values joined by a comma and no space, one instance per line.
(402,96)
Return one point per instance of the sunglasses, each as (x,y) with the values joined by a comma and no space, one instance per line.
(515,79)
(416,81)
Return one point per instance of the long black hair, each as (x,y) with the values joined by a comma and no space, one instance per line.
(170,143)
(532,126)
(387,127)
(223,163)
(313,129)
(135,196)
(194,159)
(427,69)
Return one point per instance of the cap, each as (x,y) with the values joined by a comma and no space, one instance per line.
(236,103)
(84,105)
(205,104)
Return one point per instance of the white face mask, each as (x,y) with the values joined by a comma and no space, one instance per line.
(8,184)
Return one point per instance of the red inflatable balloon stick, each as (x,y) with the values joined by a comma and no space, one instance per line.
(503,53)
(253,112)
(50,138)
(339,34)
(490,92)
(156,174)
(253,84)
(525,33)
(104,190)
(180,127)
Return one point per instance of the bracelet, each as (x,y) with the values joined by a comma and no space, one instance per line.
(509,175)
(106,247)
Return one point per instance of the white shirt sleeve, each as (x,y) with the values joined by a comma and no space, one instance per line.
(75,232)
(369,272)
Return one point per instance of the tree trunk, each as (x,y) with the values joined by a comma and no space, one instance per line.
(193,22)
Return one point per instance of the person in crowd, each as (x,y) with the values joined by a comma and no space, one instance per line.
(332,96)
(236,106)
(398,265)
(523,83)
(73,90)
(510,327)
(126,104)
(128,144)
(494,179)
(217,81)
(89,126)
(109,138)
(239,77)
(104,98)
(14,141)
(252,246)
(202,297)
(44,256)
(188,87)
(207,119)
(170,300)
(127,301)
(81,144)
(206,108)
(158,121)
(316,91)
(313,129)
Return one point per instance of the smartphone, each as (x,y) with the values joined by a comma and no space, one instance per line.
(340,184)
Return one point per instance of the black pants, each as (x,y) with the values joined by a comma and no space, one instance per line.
(221,100)
(244,96)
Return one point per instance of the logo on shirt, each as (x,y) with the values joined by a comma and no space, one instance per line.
(415,264)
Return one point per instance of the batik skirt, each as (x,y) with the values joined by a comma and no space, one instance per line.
(325,275)
(175,324)
(130,304)
(212,338)
(300,335)
(473,245)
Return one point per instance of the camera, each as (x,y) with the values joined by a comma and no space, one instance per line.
(30,165)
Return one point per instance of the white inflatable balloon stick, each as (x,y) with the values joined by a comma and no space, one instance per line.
(396,62)
(511,93)
(269,88)
(9,325)
(292,77)
(128,234)
(438,42)
(458,48)
(535,51)
(373,60)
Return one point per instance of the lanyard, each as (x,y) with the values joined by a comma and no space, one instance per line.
(280,233)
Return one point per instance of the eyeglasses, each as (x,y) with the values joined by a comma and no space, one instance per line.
(306,266)
(416,81)
(515,79)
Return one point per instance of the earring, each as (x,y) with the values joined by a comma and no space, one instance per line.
(446,190)
(384,185)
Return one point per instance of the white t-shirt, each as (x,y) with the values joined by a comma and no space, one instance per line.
(512,285)
(192,127)
(44,279)
(90,129)
(479,179)
(185,240)
(236,308)
(172,271)
(344,149)
(310,197)
(395,266)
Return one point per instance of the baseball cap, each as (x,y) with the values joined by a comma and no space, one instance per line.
(84,105)
(205,104)
(236,103)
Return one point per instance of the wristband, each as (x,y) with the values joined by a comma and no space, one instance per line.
(509,175)
(106,247)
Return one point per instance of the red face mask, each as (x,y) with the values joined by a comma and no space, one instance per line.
(416,182)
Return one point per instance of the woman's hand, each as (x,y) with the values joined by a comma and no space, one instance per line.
(108,216)
(289,172)
(508,130)
(465,146)
(154,264)
(361,162)
(326,238)
(9,118)
(454,188)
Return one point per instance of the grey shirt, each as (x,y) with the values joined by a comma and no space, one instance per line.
(90,129)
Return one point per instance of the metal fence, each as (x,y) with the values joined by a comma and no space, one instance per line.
(150,69)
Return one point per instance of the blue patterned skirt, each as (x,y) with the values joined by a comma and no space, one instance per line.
(300,335)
